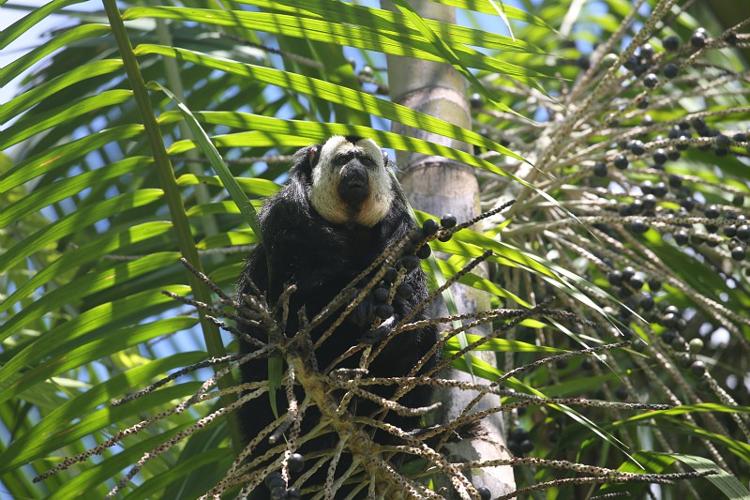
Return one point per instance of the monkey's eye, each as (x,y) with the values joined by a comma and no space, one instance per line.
(342,159)
(367,161)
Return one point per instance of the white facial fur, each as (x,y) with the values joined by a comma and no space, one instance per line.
(325,181)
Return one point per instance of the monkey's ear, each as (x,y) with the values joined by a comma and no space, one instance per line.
(305,159)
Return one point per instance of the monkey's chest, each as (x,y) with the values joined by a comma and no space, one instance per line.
(325,264)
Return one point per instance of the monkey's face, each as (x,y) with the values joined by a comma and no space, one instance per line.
(350,182)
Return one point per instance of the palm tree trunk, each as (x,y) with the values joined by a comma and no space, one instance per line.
(439,186)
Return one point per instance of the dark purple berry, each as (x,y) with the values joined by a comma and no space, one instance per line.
(296,463)
(722,141)
(409,262)
(660,190)
(600,169)
(637,281)
(670,320)
(583,62)
(646,302)
(708,132)
(668,336)
(738,253)
(638,227)
(429,227)
(646,52)
(651,80)
(682,237)
(698,367)
(448,221)
(699,124)
(636,207)
(712,212)
(628,273)
(484,493)
(698,40)
(660,157)
(476,101)
(621,162)
(636,147)
(649,202)
(671,43)
(688,204)
(671,70)
(424,251)
(743,232)
(615,278)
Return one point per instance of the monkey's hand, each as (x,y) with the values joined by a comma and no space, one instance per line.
(377,335)
(363,315)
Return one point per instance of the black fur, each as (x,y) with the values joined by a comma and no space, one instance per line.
(322,258)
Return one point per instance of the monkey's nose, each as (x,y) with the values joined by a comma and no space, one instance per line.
(354,176)
(353,187)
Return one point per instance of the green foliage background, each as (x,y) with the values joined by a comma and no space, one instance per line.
(93,221)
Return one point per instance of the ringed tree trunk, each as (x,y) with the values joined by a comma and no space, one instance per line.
(439,186)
